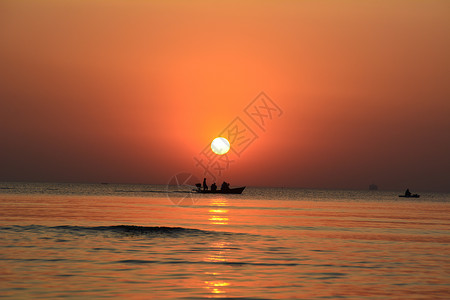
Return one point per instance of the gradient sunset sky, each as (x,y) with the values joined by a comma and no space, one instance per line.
(132,91)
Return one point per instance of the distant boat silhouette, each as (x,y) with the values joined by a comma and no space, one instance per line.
(237,190)
(410,196)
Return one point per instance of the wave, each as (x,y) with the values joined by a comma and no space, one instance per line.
(126,230)
(228,263)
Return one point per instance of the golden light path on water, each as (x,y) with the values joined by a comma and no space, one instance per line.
(218,216)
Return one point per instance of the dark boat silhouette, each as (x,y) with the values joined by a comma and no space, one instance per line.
(237,190)
(410,196)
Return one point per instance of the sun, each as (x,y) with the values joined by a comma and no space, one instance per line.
(220,145)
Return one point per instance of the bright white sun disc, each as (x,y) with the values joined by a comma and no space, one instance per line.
(220,145)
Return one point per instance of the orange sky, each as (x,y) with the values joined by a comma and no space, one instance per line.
(131,91)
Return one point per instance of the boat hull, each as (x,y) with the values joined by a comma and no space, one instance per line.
(412,196)
(238,190)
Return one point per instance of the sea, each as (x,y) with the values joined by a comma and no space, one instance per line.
(94,241)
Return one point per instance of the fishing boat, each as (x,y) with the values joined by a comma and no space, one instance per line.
(237,190)
(410,196)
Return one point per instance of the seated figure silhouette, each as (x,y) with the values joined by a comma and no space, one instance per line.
(225,186)
(407,193)
(213,187)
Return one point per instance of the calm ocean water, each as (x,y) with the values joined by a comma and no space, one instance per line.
(144,242)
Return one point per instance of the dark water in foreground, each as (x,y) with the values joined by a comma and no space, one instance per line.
(122,241)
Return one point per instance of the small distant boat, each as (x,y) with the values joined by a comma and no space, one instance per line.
(410,196)
(238,190)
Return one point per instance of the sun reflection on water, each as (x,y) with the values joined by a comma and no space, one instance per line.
(218,252)
(216,286)
(218,211)
(218,216)
(218,220)
(219,202)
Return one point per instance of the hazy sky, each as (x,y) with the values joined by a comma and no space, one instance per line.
(132,91)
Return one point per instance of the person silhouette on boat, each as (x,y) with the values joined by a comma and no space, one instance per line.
(205,186)
(407,193)
(213,187)
(225,186)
